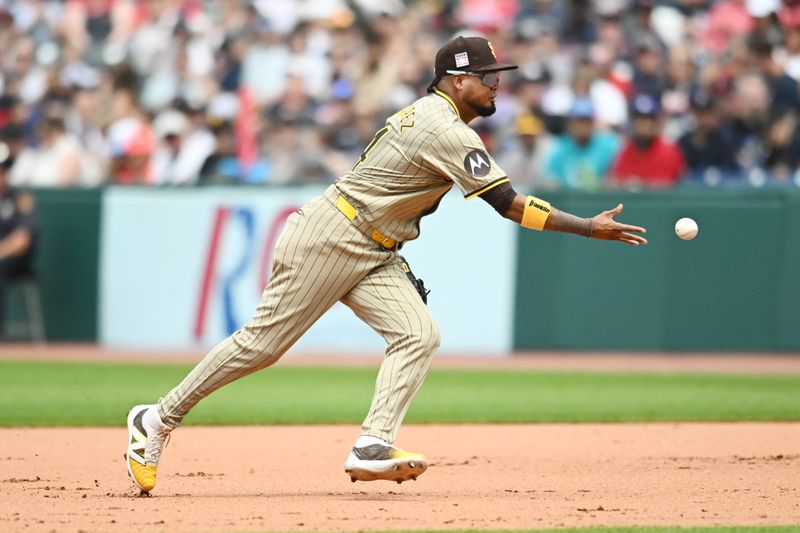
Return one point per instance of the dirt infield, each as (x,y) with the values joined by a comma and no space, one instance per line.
(482,477)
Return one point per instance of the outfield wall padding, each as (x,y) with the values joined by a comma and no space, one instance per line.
(67,261)
(734,287)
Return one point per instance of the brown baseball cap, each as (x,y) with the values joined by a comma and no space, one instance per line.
(467,54)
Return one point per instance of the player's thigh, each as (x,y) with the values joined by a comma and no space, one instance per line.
(319,257)
(387,301)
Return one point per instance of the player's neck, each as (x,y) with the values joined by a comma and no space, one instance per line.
(463,111)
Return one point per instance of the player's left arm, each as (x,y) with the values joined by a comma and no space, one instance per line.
(534,213)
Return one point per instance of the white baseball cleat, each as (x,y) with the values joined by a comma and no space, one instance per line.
(147,436)
(379,461)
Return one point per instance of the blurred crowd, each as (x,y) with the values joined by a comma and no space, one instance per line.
(639,93)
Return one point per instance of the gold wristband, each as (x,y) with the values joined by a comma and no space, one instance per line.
(535,214)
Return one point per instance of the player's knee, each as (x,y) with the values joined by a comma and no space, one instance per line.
(245,337)
(248,344)
(429,337)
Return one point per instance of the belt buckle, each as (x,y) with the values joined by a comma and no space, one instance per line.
(383,240)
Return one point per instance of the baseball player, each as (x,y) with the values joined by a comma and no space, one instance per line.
(343,246)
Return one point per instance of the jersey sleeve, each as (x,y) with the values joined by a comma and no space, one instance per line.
(458,154)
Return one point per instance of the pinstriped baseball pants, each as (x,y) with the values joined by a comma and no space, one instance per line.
(321,258)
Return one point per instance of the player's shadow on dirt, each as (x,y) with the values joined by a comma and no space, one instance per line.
(391,495)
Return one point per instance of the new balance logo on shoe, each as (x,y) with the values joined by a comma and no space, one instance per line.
(145,444)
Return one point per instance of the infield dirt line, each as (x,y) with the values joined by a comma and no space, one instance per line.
(745,363)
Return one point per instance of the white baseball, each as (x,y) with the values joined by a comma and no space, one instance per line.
(686,229)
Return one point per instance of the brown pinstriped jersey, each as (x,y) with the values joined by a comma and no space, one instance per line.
(412,162)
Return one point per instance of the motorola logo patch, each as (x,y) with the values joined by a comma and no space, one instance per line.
(477,163)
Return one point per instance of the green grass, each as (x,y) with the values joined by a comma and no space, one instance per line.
(81,394)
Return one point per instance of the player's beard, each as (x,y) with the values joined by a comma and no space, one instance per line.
(486,111)
(483,111)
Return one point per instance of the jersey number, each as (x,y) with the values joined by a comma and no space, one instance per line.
(381,132)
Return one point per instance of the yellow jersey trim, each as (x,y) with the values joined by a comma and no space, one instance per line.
(486,188)
(450,100)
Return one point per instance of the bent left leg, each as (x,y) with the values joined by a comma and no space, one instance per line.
(387,301)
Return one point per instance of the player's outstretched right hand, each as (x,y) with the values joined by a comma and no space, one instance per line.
(604,227)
